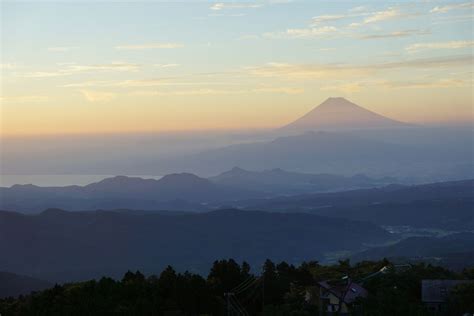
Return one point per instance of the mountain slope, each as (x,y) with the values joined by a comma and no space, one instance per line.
(445,205)
(455,251)
(339,113)
(327,152)
(83,245)
(279,181)
(12,285)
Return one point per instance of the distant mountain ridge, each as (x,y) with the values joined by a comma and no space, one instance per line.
(339,113)
(329,152)
(179,191)
(172,192)
(279,181)
(274,189)
(444,205)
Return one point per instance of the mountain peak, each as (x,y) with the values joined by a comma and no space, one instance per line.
(340,113)
(237,170)
(337,102)
(120,182)
(337,99)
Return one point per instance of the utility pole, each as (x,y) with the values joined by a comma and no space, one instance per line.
(227,296)
(263,288)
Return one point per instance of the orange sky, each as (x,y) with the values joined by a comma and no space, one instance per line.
(229,67)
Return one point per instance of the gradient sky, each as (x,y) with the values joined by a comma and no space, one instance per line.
(100,67)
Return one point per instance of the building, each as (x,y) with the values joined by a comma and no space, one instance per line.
(434,293)
(339,298)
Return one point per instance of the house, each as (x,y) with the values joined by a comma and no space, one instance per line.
(339,298)
(434,293)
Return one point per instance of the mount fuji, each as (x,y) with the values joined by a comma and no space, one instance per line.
(339,113)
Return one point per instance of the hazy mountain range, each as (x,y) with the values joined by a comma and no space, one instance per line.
(279,181)
(57,245)
(445,205)
(298,193)
(336,153)
(416,153)
(177,191)
(341,137)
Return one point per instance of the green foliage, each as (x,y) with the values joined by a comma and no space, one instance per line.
(398,292)
(461,300)
(284,288)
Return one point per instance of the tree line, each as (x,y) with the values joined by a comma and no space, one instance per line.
(273,289)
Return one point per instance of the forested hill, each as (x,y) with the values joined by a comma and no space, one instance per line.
(118,241)
(277,289)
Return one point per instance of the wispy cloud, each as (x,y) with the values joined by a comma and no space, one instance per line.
(44,74)
(61,49)
(234,5)
(390,13)
(166,65)
(306,71)
(395,34)
(97,96)
(357,86)
(426,63)
(93,83)
(24,99)
(441,83)
(72,68)
(155,82)
(345,71)
(454,6)
(149,46)
(317,20)
(324,25)
(283,90)
(185,92)
(303,32)
(118,83)
(115,66)
(440,45)
(213,91)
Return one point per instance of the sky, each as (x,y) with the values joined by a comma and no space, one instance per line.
(117,67)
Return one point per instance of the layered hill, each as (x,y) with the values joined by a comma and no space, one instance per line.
(445,205)
(182,191)
(279,181)
(84,245)
(332,152)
